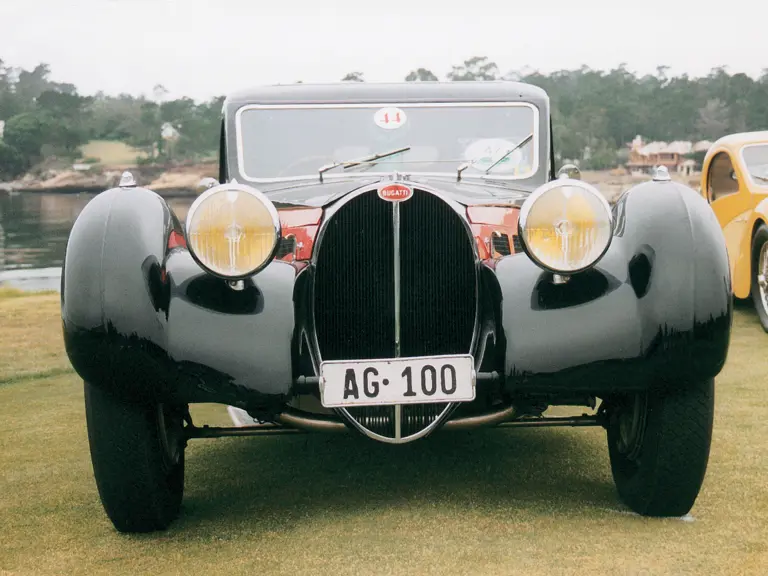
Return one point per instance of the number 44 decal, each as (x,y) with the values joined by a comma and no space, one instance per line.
(386,118)
(390,118)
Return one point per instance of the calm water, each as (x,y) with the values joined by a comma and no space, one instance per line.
(34,227)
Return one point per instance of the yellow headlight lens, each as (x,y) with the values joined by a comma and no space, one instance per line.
(232,230)
(566,225)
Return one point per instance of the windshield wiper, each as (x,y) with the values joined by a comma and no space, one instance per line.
(508,152)
(763,178)
(364,159)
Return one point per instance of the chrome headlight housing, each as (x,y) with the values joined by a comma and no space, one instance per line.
(565,226)
(232,230)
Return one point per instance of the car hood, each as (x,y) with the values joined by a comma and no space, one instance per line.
(321,194)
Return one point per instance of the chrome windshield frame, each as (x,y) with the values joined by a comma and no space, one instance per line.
(535,165)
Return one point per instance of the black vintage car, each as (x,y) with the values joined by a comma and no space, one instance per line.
(396,260)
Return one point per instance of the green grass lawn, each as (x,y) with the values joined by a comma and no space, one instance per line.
(111,152)
(527,501)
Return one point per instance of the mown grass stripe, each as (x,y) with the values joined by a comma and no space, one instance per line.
(36,375)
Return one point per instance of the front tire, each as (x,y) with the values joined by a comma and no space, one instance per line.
(659,443)
(137,451)
(759,280)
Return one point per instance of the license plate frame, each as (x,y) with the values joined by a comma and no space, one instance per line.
(385,381)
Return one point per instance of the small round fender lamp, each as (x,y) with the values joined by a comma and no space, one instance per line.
(565,226)
(232,230)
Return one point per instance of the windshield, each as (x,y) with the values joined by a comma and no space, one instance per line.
(292,141)
(756,161)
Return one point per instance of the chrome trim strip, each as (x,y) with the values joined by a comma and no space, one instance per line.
(488,419)
(465,103)
(240,147)
(315,354)
(396,262)
(396,250)
(313,423)
(305,421)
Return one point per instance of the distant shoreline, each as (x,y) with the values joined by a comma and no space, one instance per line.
(32,279)
(182,180)
(167,180)
(165,192)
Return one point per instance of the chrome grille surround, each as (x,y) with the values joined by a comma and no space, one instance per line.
(402,423)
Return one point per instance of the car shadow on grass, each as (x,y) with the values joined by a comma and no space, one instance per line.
(745,305)
(274,483)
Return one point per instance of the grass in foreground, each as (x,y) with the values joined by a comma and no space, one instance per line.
(7,292)
(488,502)
(31,343)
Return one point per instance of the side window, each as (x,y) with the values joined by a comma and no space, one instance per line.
(756,160)
(721,179)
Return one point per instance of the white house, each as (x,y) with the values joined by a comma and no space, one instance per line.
(168,132)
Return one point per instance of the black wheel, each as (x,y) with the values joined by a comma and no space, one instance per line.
(658,444)
(137,451)
(759,280)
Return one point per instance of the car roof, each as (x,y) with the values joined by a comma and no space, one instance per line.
(374,92)
(733,142)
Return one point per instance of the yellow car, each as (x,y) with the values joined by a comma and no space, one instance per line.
(734,179)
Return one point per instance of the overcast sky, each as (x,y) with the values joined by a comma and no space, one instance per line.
(202,48)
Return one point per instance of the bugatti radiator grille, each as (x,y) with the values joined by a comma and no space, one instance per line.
(355,292)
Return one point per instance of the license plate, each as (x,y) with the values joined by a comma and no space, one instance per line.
(414,380)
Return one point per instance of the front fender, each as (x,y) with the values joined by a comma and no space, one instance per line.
(656,308)
(110,284)
(238,343)
(151,324)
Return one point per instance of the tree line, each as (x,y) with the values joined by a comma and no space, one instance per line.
(45,119)
(593,110)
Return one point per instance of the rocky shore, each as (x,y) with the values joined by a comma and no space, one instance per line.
(182,180)
(170,180)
